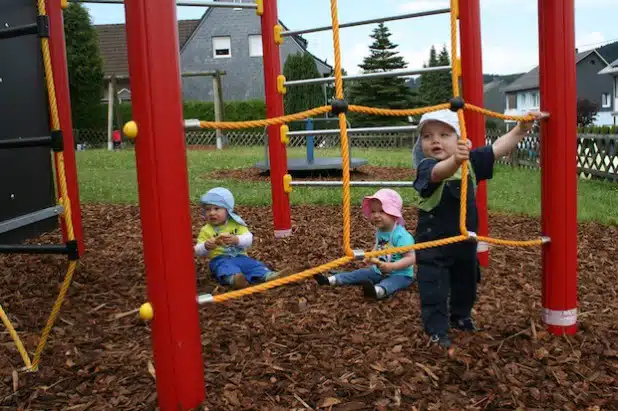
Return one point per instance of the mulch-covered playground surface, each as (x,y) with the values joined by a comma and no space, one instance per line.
(364,173)
(304,347)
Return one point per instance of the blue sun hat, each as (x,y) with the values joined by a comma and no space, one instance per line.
(445,116)
(222,197)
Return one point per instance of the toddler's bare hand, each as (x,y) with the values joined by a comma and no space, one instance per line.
(463,152)
(527,125)
(210,244)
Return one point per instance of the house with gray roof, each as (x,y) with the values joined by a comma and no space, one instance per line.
(223,39)
(612,71)
(523,94)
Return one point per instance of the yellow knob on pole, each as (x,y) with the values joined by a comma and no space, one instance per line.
(146,312)
(130,129)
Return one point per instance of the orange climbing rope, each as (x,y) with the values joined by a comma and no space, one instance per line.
(64,199)
(350,254)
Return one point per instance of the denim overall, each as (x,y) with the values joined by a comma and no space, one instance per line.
(450,270)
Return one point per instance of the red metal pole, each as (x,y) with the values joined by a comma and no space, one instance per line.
(152,40)
(274,108)
(558,158)
(57,51)
(472,86)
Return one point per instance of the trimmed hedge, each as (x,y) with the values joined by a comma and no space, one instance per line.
(202,110)
(598,129)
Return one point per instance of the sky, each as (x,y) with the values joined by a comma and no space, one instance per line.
(509,28)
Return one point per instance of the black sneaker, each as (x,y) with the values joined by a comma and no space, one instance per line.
(371,291)
(464,324)
(321,279)
(442,339)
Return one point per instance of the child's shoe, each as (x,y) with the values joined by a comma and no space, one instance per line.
(442,340)
(239,281)
(464,324)
(277,274)
(324,280)
(373,291)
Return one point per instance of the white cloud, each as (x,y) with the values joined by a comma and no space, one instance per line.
(422,5)
(352,57)
(590,40)
(503,59)
(595,3)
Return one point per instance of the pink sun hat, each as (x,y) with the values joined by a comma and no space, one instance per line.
(391,203)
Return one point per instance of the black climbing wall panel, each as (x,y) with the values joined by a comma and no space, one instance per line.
(26,174)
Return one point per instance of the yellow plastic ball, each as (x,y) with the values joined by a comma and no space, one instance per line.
(130,129)
(146,312)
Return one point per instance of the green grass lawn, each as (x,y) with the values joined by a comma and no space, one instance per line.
(110,177)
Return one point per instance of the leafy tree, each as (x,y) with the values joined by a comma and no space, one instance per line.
(383,92)
(436,87)
(85,65)
(301,66)
(586,112)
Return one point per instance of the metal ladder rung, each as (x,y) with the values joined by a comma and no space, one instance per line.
(26,142)
(25,30)
(31,218)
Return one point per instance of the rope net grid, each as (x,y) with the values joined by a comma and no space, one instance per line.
(33,365)
(349,252)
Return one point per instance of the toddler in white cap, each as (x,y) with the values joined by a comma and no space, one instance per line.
(448,275)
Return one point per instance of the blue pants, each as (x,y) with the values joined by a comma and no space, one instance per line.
(224,267)
(391,284)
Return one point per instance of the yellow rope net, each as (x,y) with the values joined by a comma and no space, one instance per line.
(347,247)
(64,199)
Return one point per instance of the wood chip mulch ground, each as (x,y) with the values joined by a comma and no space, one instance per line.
(364,173)
(304,347)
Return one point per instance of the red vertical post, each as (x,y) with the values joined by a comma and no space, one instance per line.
(558,89)
(57,51)
(472,85)
(274,108)
(152,40)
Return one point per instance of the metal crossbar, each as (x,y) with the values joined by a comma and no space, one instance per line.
(370,21)
(30,218)
(17,31)
(353,183)
(189,3)
(326,132)
(382,74)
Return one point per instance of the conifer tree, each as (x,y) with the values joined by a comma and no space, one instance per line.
(382,92)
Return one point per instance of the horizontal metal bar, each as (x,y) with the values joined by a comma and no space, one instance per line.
(389,129)
(187,74)
(196,3)
(11,32)
(31,218)
(381,74)
(371,21)
(34,249)
(353,183)
(26,142)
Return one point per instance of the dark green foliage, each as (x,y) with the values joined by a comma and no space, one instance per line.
(234,111)
(436,87)
(85,66)
(390,93)
(586,112)
(301,66)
